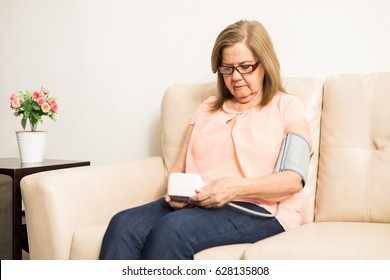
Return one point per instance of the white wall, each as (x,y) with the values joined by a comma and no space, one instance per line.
(109,61)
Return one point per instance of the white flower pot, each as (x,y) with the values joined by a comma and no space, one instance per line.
(31,145)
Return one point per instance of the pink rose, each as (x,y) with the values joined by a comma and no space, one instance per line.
(45,107)
(41,100)
(15,103)
(36,95)
(45,90)
(53,105)
(14,95)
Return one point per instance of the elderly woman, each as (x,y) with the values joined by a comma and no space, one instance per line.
(233,142)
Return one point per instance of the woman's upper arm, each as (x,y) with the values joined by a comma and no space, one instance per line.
(294,113)
(180,163)
(302,128)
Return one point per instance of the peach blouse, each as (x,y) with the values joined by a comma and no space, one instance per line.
(249,149)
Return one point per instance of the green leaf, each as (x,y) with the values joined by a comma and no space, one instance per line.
(24,121)
(36,106)
(36,116)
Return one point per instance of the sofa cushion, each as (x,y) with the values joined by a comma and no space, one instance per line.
(226,252)
(326,241)
(178,105)
(354,177)
(87,242)
(309,91)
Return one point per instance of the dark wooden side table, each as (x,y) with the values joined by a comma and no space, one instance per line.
(17,170)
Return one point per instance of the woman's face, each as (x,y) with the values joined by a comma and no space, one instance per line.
(244,87)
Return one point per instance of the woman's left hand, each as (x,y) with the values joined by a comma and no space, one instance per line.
(216,194)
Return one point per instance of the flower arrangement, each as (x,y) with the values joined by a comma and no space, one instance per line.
(33,106)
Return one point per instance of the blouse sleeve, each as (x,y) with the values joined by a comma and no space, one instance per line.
(293,109)
(204,107)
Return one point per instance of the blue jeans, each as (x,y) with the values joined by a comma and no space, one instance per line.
(157,231)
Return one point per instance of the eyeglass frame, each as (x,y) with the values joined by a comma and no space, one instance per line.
(254,67)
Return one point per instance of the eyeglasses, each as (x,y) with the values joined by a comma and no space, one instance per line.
(242,69)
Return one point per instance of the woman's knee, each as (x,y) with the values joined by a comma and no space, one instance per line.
(117,221)
(168,240)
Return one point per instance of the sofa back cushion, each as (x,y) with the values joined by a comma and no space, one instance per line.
(181,101)
(354,177)
(178,104)
(310,92)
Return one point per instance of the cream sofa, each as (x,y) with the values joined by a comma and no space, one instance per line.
(346,211)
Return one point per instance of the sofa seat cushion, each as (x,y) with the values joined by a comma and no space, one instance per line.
(226,252)
(87,242)
(327,240)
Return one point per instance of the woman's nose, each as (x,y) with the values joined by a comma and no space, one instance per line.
(236,75)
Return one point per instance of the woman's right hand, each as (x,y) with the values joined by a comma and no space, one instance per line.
(177,205)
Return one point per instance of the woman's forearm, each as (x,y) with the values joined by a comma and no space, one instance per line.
(274,188)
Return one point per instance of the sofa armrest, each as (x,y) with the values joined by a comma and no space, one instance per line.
(58,202)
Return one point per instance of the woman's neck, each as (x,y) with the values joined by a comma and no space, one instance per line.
(236,105)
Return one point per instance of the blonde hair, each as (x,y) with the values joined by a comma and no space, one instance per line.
(257,39)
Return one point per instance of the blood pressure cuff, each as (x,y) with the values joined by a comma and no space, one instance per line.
(294,155)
